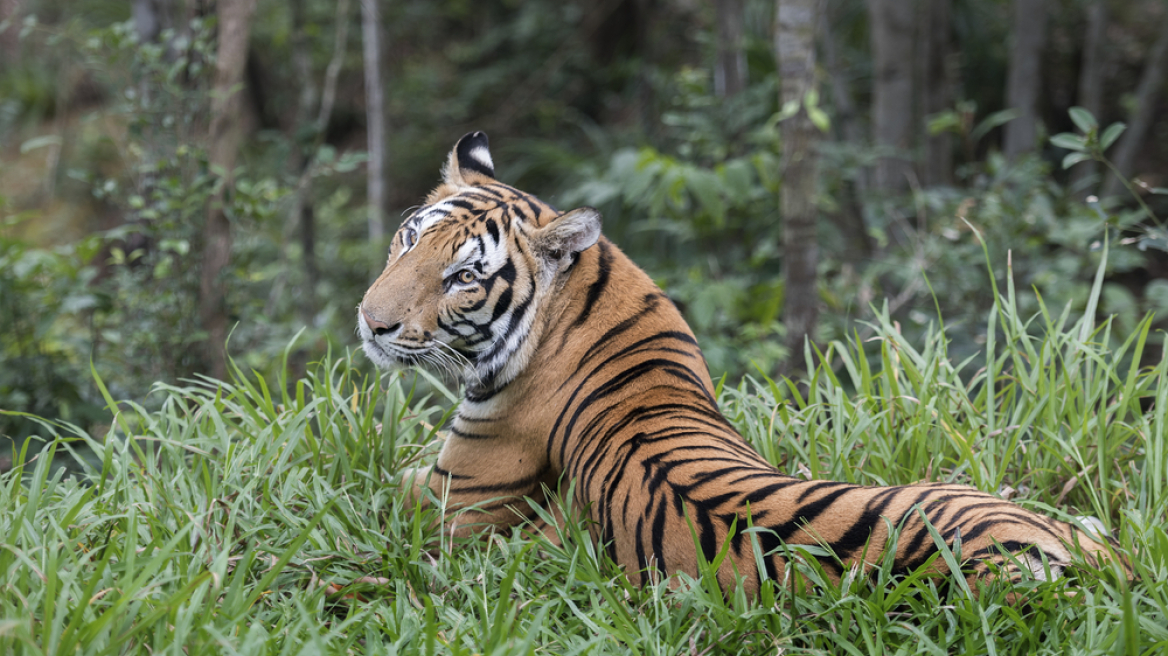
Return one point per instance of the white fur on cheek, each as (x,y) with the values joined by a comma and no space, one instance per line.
(363,328)
(376,353)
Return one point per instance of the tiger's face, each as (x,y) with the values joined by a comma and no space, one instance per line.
(468,274)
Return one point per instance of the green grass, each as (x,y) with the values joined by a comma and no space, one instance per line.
(256,519)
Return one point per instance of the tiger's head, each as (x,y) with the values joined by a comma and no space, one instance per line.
(470,273)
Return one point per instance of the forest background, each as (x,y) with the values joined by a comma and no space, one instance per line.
(176,171)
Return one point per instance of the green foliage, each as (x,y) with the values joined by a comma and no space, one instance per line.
(704,221)
(27,92)
(266,518)
(1051,240)
(670,209)
(1092,144)
(607,104)
(43,357)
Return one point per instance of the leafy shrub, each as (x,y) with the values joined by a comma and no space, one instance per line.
(45,307)
(704,221)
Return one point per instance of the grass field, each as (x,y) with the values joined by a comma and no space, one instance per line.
(265,519)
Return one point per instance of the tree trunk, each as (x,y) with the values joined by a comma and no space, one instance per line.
(891,23)
(849,218)
(10,38)
(1140,120)
(1024,79)
(795,25)
(375,118)
(301,215)
(846,117)
(730,71)
(937,95)
(148,19)
(225,134)
(1091,86)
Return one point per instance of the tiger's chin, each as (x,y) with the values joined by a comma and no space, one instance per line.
(435,361)
(382,358)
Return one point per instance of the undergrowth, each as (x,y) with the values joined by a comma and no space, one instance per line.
(251,518)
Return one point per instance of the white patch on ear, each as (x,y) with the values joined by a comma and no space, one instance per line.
(570,232)
(483,157)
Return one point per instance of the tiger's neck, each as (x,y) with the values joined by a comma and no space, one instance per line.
(608,343)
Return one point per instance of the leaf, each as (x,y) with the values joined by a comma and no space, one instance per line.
(819,118)
(707,188)
(40,142)
(790,108)
(1157,294)
(1111,134)
(946,121)
(992,121)
(1083,119)
(1069,141)
(1074,158)
(737,177)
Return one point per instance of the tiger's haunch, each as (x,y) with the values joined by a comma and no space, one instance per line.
(578,368)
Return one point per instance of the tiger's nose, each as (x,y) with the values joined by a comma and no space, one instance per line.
(378,327)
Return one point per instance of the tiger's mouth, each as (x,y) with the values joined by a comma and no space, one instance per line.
(436,357)
(388,352)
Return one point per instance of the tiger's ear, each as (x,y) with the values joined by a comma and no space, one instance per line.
(470,162)
(568,233)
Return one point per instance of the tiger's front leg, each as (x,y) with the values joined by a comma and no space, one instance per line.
(481,487)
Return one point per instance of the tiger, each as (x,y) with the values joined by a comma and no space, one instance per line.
(581,375)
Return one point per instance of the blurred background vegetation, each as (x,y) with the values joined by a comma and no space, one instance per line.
(781,175)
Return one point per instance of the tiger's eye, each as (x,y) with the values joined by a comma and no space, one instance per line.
(466,276)
(409,237)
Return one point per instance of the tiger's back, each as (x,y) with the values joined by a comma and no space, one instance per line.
(580,369)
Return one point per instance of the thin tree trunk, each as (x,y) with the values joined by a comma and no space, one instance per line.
(151,18)
(795,26)
(375,118)
(1024,79)
(646,58)
(301,154)
(1140,120)
(303,215)
(730,72)
(10,38)
(891,23)
(936,90)
(223,149)
(1091,86)
(148,19)
(851,131)
(849,218)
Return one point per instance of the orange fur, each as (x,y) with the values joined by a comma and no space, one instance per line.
(578,368)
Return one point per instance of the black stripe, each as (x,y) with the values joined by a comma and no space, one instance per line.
(442,472)
(807,514)
(469,436)
(861,529)
(525,483)
(598,286)
(651,302)
(658,534)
